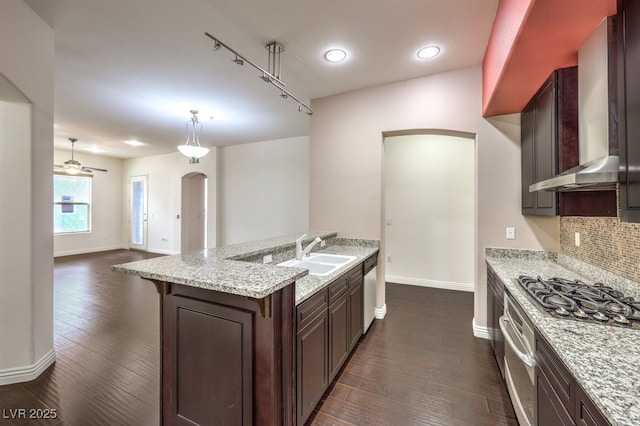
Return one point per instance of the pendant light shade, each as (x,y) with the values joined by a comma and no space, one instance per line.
(191,148)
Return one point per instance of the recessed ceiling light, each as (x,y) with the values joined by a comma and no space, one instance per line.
(134,143)
(428,52)
(335,55)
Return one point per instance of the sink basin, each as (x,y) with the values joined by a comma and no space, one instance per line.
(319,263)
(333,259)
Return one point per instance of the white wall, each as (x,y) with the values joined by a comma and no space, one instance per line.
(164,179)
(26,157)
(347,134)
(265,189)
(107,199)
(429,210)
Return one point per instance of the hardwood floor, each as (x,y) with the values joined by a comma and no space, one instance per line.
(420,366)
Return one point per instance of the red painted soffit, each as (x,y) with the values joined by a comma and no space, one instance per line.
(530,39)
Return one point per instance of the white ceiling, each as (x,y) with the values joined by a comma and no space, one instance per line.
(132,69)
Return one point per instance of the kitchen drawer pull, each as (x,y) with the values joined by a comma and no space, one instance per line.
(523,356)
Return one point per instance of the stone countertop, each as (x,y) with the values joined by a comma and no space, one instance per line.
(605,360)
(311,284)
(227,269)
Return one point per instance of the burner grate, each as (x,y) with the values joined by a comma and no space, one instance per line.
(577,300)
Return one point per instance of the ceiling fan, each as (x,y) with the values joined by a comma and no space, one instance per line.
(73,167)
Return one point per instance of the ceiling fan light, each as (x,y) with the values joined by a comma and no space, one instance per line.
(72,169)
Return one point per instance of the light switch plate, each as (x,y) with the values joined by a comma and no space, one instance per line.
(511,233)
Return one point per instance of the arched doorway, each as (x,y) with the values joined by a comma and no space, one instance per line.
(194,212)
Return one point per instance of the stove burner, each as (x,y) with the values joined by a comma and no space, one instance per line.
(586,302)
(581,314)
(621,320)
(600,317)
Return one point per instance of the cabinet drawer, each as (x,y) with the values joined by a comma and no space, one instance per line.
(338,288)
(355,274)
(555,371)
(308,310)
(370,263)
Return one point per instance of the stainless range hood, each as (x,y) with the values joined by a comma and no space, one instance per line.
(597,118)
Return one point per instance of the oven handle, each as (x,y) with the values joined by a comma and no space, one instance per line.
(523,356)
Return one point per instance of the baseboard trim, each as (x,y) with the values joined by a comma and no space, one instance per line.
(88,250)
(381,312)
(29,372)
(429,283)
(478,331)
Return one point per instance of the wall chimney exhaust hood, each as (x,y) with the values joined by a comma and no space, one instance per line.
(597,117)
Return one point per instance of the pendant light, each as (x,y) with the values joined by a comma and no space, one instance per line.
(191,148)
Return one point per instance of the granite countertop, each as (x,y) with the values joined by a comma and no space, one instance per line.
(237,269)
(604,359)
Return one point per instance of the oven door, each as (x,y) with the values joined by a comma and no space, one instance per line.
(519,362)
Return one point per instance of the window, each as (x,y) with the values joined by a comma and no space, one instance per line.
(71,203)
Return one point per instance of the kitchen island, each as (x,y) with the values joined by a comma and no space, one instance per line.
(228,327)
(603,359)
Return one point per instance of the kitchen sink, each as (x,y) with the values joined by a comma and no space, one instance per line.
(320,264)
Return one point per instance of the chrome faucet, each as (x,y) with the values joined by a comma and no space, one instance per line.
(300,253)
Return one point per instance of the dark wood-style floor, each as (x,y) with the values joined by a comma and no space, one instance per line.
(420,366)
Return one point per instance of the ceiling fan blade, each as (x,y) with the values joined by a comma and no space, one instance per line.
(93,169)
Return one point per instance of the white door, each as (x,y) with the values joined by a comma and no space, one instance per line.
(138,212)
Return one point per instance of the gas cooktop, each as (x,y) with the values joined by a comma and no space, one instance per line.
(583,302)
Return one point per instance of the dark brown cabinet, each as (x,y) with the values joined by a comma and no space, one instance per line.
(549,145)
(329,326)
(495,308)
(629,109)
(539,146)
(312,363)
(559,399)
(212,345)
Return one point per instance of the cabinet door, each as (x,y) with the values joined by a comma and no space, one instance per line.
(528,170)
(312,366)
(338,335)
(549,408)
(629,107)
(356,314)
(587,414)
(208,356)
(545,147)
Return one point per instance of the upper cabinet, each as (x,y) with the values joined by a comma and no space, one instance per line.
(549,121)
(550,145)
(629,108)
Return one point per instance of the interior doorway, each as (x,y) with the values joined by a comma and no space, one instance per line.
(429,185)
(194,212)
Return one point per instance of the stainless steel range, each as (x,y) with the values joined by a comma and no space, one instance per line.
(583,302)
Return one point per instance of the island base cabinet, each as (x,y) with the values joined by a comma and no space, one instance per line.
(227,359)
(549,411)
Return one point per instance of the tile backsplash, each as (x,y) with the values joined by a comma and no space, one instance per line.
(605,242)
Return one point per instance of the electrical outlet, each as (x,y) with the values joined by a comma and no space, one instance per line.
(576,239)
(267,258)
(511,233)
(323,243)
(389,259)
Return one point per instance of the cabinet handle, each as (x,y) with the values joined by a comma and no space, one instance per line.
(523,356)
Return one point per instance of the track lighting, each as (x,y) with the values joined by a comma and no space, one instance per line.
(272,75)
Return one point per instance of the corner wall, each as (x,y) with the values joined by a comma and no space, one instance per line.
(26,308)
(346,192)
